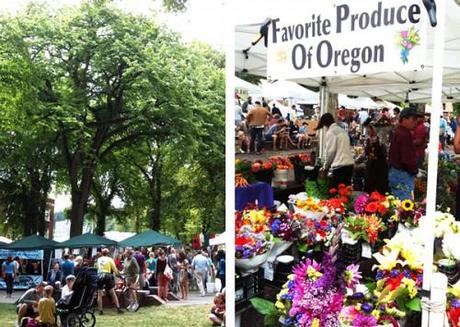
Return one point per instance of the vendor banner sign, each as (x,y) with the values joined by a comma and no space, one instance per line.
(327,38)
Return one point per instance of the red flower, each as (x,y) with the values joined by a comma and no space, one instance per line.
(382,209)
(310,223)
(323,224)
(332,191)
(242,241)
(454,316)
(322,233)
(376,196)
(371,207)
(393,283)
(255,167)
(267,165)
(341,185)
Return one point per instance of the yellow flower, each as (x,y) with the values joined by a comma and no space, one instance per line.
(411,259)
(387,261)
(455,290)
(313,274)
(376,314)
(407,205)
(358,306)
(315,322)
(257,217)
(279,305)
(409,284)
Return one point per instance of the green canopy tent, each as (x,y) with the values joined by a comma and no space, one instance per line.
(32,242)
(86,240)
(149,238)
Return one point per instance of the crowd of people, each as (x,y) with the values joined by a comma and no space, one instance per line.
(167,269)
(258,124)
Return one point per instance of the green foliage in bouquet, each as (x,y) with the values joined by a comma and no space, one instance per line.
(318,189)
(447,184)
(244,167)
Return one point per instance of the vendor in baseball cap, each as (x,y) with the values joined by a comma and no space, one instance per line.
(326,120)
(409,112)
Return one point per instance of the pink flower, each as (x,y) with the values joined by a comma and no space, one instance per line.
(352,275)
(404,34)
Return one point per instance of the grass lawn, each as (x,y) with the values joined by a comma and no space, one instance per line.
(168,316)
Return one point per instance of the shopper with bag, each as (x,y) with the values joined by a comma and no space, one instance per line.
(163,275)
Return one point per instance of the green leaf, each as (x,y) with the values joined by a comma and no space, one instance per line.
(371,286)
(302,247)
(414,304)
(263,306)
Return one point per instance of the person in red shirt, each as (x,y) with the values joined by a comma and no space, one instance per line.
(402,156)
(420,135)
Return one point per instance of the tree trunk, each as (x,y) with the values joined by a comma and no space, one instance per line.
(156,192)
(80,198)
(102,217)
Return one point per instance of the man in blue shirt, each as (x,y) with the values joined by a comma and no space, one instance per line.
(200,267)
(9,274)
(67,267)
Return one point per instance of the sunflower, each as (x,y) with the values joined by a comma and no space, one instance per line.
(407,205)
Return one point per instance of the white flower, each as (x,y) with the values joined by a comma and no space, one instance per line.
(450,246)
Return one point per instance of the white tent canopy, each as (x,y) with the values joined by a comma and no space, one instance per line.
(246,86)
(357,103)
(414,86)
(218,240)
(291,90)
(5,240)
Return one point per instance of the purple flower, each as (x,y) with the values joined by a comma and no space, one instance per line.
(357,296)
(394,273)
(455,303)
(367,307)
(365,321)
(360,202)
(379,275)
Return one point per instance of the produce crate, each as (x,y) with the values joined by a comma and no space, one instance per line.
(247,287)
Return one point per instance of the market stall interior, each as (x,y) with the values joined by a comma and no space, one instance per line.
(347,249)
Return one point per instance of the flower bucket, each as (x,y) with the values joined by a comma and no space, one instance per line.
(448,267)
(247,266)
(386,325)
(404,229)
(281,178)
(350,253)
(265,176)
(278,248)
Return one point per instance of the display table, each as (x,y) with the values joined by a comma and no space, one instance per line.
(260,192)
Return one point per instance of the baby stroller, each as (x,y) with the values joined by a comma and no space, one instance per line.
(79,311)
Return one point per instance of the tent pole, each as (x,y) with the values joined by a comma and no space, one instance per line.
(431,318)
(323,95)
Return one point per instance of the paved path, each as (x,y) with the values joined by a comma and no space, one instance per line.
(194,298)
(4,299)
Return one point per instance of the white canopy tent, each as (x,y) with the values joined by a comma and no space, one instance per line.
(3,239)
(241,84)
(286,89)
(218,240)
(357,103)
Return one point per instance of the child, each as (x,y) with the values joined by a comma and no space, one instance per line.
(47,308)
(217,315)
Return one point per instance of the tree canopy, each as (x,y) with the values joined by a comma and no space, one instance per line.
(104,105)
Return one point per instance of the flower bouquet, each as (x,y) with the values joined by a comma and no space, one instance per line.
(311,298)
(310,207)
(364,227)
(453,304)
(285,228)
(263,170)
(252,244)
(406,41)
(408,214)
(316,235)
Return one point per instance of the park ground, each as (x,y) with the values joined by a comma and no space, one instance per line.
(193,313)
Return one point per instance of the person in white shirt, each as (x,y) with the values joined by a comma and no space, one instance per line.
(67,289)
(339,157)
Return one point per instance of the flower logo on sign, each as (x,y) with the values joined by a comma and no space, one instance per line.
(407,40)
(281,56)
